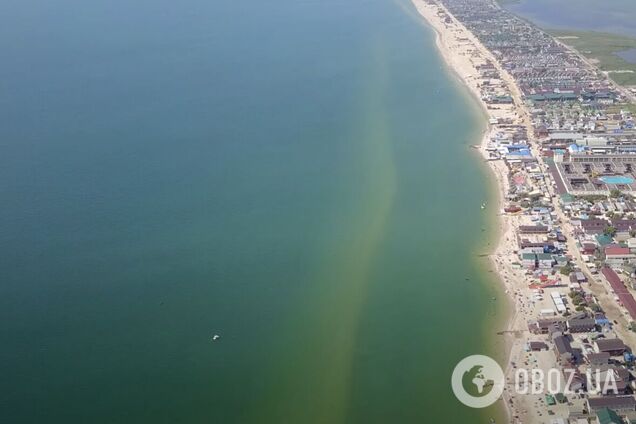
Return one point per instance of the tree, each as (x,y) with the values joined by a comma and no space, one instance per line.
(615,193)
(567,269)
(592,198)
(577,298)
(610,231)
(595,307)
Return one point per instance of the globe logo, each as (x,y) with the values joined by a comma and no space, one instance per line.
(477,381)
(474,382)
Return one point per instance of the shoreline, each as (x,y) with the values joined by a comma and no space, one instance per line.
(455,58)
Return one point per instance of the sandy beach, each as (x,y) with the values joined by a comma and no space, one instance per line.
(464,53)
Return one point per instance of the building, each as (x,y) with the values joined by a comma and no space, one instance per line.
(546,326)
(533,229)
(619,404)
(563,349)
(529,260)
(608,416)
(545,261)
(608,379)
(581,325)
(615,347)
(594,226)
(598,358)
(537,346)
(617,256)
(624,225)
(577,277)
(582,173)
(624,296)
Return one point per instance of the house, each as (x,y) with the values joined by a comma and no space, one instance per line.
(624,225)
(627,300)
(575,381)
(577,411)
(615,347)
(546,326)
(533,229)
(577,414)
(598,358)
(608,379)
(581,325)
(578,277)
(537,346)
(608,416)
(540,246)
(616,256)
(529,260)
(614,280)
(545,261)
(594,225)
(563,349)
(533,249)
(589,248)
(617,403)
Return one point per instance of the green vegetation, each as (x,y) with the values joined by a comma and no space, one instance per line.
(567,269)
(578,299)
(616,108)
(610,231)
(592,198)
(603,47)
(615,193)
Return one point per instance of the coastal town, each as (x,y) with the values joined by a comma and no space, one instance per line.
(562,144)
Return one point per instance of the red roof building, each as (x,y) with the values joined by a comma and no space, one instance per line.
(613,280)
(613,250)
(624,296)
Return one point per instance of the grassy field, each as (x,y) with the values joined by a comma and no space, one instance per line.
(603,47)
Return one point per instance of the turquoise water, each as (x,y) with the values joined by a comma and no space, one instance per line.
(294,176)
(616,179)
(613,16)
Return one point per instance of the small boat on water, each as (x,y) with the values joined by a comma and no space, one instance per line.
(483,205)
(215,337)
